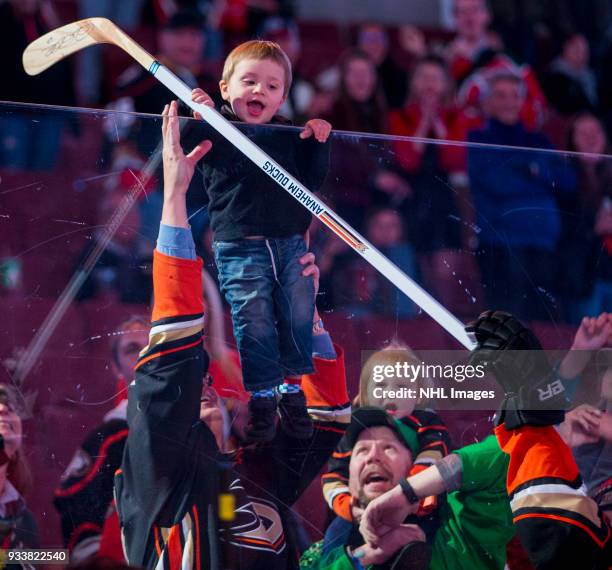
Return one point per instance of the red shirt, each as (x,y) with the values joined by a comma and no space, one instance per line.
(405,122)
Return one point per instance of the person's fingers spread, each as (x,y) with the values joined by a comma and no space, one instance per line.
(174,125)
(164,120)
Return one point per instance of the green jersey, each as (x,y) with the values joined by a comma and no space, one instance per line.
(475,521)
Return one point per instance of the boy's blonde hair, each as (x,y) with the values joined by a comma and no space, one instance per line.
(258,49)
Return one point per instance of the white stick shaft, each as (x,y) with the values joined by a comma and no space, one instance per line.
(344,231)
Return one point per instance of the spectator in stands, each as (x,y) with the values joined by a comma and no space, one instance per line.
(301,93)
(358,287)
(18,527)
(359,104)
(428,183)
(472,19)
(560,529)
(25,143)
(129,338)
(373,39)
(474,525)
(515,194)
(126,14)
(565,18)
(366,472)
(84,498)
(360,107)
(587,429)
(586,273)
(413,46)
(521,25)
(181,43)
(156,13)
(433,438)
(476,54)
(258,12)
(570,84)
(85,493)
(121,273)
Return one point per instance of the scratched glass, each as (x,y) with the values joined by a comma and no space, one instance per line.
(516,229)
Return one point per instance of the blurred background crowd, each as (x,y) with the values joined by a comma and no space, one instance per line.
(528,231)
(470,150)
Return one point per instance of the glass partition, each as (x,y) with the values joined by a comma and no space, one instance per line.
(478,226)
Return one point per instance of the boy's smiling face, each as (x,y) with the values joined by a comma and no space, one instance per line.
(255,90)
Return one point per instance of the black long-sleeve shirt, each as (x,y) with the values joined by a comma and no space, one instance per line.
(243,200)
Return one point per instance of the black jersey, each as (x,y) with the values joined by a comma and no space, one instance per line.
(173,473)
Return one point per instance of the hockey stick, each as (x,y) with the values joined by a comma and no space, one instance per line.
(62,42)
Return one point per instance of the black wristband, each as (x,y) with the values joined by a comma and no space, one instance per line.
(408,491)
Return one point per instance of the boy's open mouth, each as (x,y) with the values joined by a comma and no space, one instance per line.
(255,108)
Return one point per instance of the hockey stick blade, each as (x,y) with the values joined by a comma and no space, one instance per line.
(62,42)
(54,46)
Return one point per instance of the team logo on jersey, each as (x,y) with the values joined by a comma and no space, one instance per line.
(78,467)
(257,524)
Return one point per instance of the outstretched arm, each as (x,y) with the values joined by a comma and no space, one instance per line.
(558,524)
(163,403)
(178,169)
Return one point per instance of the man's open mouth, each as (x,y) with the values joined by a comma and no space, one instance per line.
(376,479)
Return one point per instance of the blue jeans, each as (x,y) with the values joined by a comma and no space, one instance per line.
(272,306)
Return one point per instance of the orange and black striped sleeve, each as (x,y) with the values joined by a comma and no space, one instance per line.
(164,398)
(559,525)
(329,405)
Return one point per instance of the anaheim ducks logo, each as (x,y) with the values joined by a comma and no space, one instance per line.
(78,467)
(257,524)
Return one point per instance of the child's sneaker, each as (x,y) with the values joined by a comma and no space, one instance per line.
(262,420)
(295,420)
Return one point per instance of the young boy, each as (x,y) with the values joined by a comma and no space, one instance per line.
(259,235)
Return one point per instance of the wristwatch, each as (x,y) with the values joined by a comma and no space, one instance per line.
(408,491)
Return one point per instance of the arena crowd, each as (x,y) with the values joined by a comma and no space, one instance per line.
(474,158)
